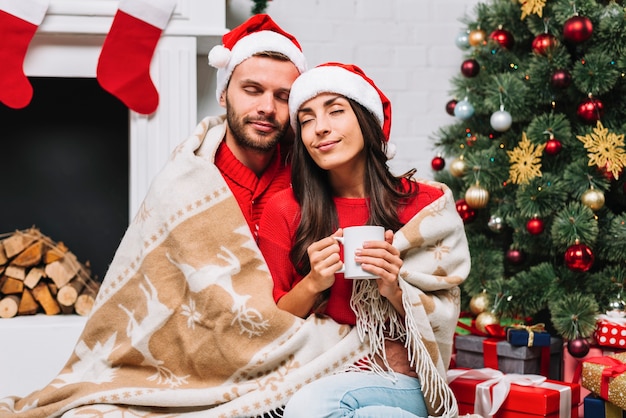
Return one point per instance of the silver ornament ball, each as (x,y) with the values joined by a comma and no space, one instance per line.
(501,120)
(495,223)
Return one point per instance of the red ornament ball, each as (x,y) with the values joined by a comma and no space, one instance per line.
(503,37)
(470,68)
(466,211)
(561,79)
(579,257)
(450,107)
(534,226)
(438,163)
(578,347)
(577,29)
(553,146)
(590,111)
(544,43)
(514,256)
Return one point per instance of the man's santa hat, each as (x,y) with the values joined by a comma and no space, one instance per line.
(258,34)
(347,80)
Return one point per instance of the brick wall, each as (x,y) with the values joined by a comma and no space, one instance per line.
(406,46)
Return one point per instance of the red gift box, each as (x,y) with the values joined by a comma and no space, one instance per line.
(513,395)
(610,332)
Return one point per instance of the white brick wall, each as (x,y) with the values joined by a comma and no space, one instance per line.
(406,46)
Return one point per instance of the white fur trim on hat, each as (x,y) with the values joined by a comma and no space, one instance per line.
(225,61)
(331,79)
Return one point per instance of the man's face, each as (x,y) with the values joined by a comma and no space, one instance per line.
(256,102)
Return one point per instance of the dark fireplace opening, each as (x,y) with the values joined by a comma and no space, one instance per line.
(65,168)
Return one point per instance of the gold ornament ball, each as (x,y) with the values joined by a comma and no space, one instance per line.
(593,199)
(477,196)
(479,303)
(458,167)
(477,37)
(484,319)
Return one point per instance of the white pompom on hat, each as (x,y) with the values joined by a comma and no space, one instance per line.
(349,81)
(257,34)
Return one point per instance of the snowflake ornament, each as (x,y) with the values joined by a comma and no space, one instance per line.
(605,149)
(532,7)
(525,161)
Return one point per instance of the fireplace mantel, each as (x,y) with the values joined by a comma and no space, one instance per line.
(68,43)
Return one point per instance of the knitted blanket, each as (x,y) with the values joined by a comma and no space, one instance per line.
(185,324)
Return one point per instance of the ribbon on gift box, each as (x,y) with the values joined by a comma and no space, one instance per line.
(614,367)
(530,329)
(490,356)
(492,392)
(613,318)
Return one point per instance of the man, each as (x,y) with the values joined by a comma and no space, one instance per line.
(256,66)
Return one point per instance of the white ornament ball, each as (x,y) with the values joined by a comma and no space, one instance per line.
(501,120)
(462,40)
(463,110)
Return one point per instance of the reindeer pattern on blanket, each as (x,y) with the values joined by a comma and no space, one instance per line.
(184,323)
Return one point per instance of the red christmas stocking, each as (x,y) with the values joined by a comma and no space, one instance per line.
(19,21)
(124,63)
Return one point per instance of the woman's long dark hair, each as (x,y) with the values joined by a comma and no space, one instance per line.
(313,191)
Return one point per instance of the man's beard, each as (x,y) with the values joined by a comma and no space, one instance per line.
(259,142)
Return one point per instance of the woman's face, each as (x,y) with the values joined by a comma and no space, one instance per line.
(331,133)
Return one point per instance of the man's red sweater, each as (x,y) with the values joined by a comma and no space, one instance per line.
(252,192)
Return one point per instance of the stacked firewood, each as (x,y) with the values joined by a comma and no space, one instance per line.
(38,275)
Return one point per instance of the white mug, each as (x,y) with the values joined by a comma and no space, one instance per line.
(353,238)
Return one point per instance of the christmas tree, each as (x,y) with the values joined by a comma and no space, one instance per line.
(535,157)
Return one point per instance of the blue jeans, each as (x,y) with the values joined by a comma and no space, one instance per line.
(362,395)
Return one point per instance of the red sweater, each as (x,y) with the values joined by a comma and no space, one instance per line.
(278,227)
(252,192)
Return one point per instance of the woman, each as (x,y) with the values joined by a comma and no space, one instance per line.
(340,178)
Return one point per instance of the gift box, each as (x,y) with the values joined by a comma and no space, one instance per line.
(606,377)
(571,364)
(610,332)
(475,352)
(596,407)
(528,336)
(531,396)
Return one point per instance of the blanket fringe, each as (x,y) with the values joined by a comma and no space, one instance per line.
(374,314)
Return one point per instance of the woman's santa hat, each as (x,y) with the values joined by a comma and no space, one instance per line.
(258,34)
(349,81)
